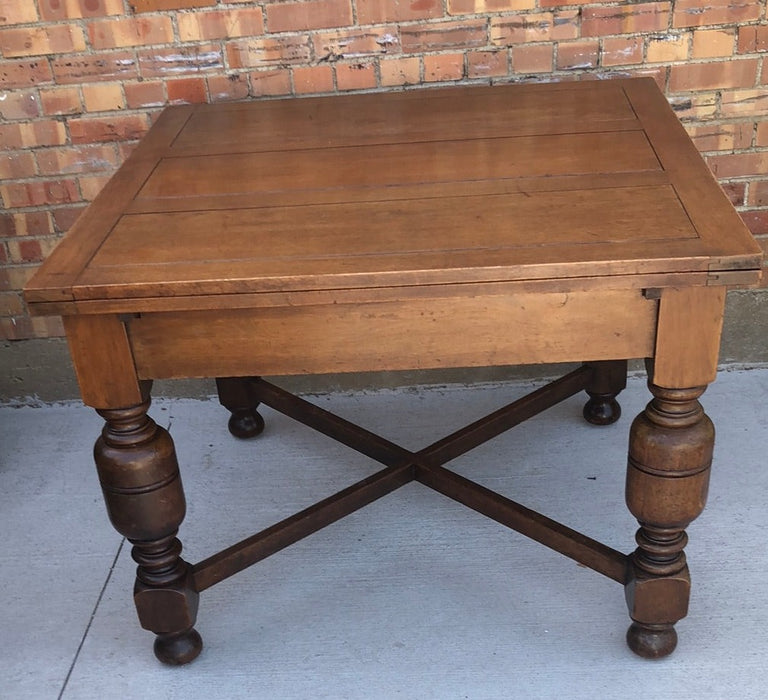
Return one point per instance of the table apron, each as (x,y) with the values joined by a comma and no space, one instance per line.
(417,333)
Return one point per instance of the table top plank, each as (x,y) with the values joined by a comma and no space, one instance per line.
(449,186)
(403,117)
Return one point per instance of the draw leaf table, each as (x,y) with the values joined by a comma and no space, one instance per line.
(443,228)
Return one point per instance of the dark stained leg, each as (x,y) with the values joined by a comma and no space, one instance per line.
(142,487)
(670,453)
(236,395)
(609,379)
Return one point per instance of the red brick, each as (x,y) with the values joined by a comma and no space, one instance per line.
(735,191)
(70,160)
(3,255)
(739,164)
(753,38)
(64,217)
(148,93)
(19,104)
(697,13)
(312,79)
(265,53)
(710,76)
(270,82)
(357,43)
(758,193)
(32,223)
(576,55)
(124,127)
(444,66)
(757,222)
(532,59)
(31,250)
(186,91)
(761,137)
(227,87)
(355,76)
(10,302)
(132,31)
(103,97)
(24,74)
(91,185)
(440,36)
(17,165)
(517,29)
(400,71)
(510,30)
(467,7)
(665,48)
(17,12)
(721,137)
(46,132)
(492,64)
(197,26)
(7,226)
(114,65)
(375,11)
(312,14)
(162,62)
(61,100)
(23,327)
(622,51)
(155,5)
(712,43)
(55,10)
(744,103)
(37,41)
(701,106)
(627,19)
(40,192)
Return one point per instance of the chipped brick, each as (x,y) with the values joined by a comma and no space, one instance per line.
(355,76)
(155,63)
(124,127)
(695,13)
(114,65)
(265,53)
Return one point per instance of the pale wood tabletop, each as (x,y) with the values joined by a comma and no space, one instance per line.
(439,186)
(443,228)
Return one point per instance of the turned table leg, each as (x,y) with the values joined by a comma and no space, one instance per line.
(139,476)
(609,379)
(670,453)
(236,395)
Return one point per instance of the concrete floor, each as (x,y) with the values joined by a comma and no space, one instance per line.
(412,597)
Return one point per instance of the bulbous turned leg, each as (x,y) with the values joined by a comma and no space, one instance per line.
(236,395)
(139,475)
(608,380)
(670,454)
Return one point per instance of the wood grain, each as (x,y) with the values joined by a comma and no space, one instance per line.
(452,186)
(412,334)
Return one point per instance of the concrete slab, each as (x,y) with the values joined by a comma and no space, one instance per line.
(414,596)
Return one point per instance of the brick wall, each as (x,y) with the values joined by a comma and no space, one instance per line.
(82,80)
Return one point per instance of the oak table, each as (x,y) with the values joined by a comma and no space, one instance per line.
(454,227)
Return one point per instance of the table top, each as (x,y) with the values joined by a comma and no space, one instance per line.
(543,182)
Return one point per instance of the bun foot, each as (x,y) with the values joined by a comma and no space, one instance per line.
(602,409)
(178,649)
(246,424)
(651,641)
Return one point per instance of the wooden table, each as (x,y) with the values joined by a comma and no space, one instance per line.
(456,227)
